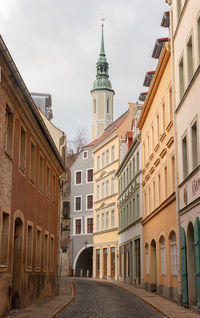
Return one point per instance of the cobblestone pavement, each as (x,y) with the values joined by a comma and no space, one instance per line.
(101,300)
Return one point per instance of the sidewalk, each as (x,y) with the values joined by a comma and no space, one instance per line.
(169,308)
(48,308)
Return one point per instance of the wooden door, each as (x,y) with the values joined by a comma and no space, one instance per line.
(184,269)
(105,257)
(112,262)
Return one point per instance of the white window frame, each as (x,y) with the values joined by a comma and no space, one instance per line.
(86,175)
(77,196)
(87,195)
(78,184)
(163,256)
(83,154)
(74,225)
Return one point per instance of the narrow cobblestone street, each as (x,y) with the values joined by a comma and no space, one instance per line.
(100,299)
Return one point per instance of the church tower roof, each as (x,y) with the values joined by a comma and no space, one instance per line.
(102,78)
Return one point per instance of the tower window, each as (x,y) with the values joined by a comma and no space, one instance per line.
(108,110)
(94,106)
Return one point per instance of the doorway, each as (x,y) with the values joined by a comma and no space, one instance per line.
(17,263)
(191,265)
(105,257)
(153,272)
(84,263)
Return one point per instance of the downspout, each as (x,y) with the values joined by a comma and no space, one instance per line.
(179,284)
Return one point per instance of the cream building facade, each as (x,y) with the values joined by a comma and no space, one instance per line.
(185,34)
(106,163)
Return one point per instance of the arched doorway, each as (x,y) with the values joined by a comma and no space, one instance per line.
(191,265)
(17,263)
(84,262)
(153,272)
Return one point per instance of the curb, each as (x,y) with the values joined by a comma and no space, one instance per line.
(64,305)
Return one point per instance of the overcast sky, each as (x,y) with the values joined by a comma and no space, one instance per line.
(55,45)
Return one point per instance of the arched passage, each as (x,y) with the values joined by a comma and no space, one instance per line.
(84,262)
(191,265)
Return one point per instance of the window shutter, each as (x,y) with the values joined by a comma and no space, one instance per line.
(197,258)
(184,269)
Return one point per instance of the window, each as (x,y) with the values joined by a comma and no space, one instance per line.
(178,9)
(90,202)
(138,162)
(108,108)
(22,150)
(38,248)
(32,163)
(190,59)
(133,167)
(98,260)
(98,192)
(194,145)
(149,193)
(152,137)
(113,153)
(78,177)
(159,193)
(184,154)
(52,252)
(90,175)
(29,247)
(138,205)
(48,182)
(78,226)
(170,104)
(103,221)
(103,190)
(4,239)
(173,174)
(77,203)
(41,174)
(112,218)
(198,31)
(163,116)
(54,188)
(107,188)
(165,180)
(98,162)
(107,157)
(158,127)
(98,223)
(103,159)
(112,258)
(85,154)
(112,185)
(154,194)
(172,238)
(90,225)
(181,78)
(94,106)
(107,220)
(163,257)
(147,258)
(9,132)
(45,264)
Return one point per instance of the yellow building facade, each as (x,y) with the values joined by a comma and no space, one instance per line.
(106,163)
(158,183)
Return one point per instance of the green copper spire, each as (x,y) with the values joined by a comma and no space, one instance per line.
(102,81)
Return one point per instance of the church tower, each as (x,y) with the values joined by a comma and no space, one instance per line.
(102,96)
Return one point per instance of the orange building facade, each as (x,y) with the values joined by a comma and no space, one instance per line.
(158,183)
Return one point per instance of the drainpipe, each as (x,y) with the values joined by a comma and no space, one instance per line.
(176,155)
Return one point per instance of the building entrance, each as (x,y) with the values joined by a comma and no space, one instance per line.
(84,263)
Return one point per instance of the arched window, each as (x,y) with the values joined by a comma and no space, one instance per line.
(172,238)
(147,257)
(94,106)
(108,106)
(163,255)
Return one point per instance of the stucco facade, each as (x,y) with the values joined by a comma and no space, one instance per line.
(158,183)
(106,162)
(30,205)
(82,213)
(185,33)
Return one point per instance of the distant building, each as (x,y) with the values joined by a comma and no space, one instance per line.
(130,206)
(30,169)
(82,212)
(43,101)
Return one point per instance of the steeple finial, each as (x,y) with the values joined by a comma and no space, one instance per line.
(102,51)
